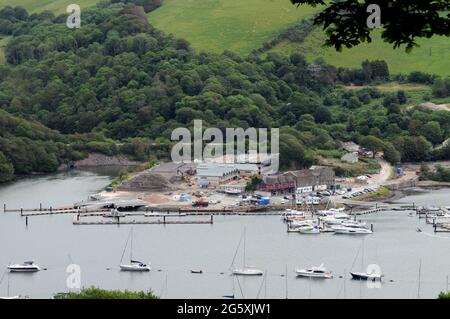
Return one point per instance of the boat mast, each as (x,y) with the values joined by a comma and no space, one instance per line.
(244,247)
(286,282)
(362,256)
(418,286)
(131,246)
(345,295)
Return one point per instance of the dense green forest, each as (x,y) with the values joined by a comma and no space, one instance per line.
(118,85)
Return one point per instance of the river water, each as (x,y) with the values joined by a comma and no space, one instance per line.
(173,250)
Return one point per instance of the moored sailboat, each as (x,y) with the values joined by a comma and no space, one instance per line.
(134,265)
(246,270)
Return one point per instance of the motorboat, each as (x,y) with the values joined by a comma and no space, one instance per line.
(135,265)
(302,222)
(296,219)
(336,219)
(351,223)
(351,230)
(304,227)
(330,212)
(314,272)
(365,276)
(27,266)
(308,229)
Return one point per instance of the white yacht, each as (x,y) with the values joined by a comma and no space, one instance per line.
(330,212)
(307,226)
(351,229)
(27,266)
(134,265)
(309,229)
(335,219)
(245,270)
(351,223)
(314,272)
(248,271)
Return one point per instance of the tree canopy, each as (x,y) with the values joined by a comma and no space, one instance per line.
(118,85)
(402,21)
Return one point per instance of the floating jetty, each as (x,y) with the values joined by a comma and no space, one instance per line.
(141,222)
(124,221)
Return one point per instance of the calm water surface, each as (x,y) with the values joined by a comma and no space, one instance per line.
(173,250)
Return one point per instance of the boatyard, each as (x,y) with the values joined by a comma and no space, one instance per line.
(284,242)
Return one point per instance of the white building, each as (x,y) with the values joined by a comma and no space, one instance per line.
(211,174)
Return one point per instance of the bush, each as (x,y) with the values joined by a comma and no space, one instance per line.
(97,293)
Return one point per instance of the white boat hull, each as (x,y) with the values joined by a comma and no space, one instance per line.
(248,272)
(352,231)
(308,231)
(365,276)
(19,268)
(302,273)
(136,268)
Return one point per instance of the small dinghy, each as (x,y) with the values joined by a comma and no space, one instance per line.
(27,266)
(196,271)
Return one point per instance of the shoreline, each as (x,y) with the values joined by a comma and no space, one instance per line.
(99,160)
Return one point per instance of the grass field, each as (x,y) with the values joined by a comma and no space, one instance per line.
(57,6)
(243,25)
(431,57)
(3,43)
(395,86)
(236,25)
(417,93)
